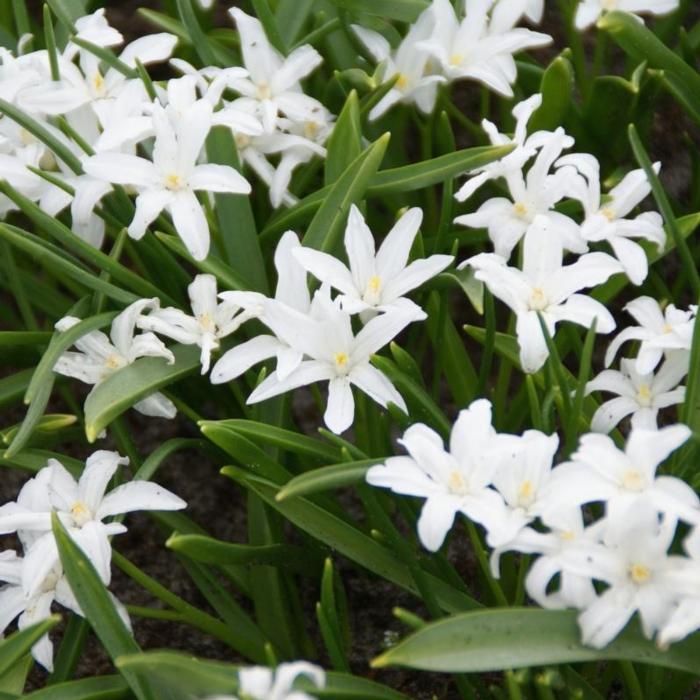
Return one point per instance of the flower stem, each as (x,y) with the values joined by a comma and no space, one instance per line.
(494,585)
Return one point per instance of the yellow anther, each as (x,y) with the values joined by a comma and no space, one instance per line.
(520,209)
(341,361)
(526,493)
(457,484)
(639,573)
(264,92)
(311,130)
(633,480)
(98,83)
(608,213)
(402,81)
(644,395)
(456,59)
(567,535)
(114,361)
(667,328)
(173,181)
(538,300)
(80,513)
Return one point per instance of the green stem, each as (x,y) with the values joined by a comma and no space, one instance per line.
(634,687)
(481,557)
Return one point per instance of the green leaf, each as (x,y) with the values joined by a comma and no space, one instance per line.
(96,604)
(200,41)
(125,387)
(12,388)
(642,44)
(556,88)
(20,643)
(406,178)
(326,228)
(32,460)
(99,688)
(333,476)
(234,215)
(350,542)
(466,280)
(345,142)
(212,551)
(68,11)
(291,15)
(265,434)
(13,339)
(610,106)
(401,10)
(269,23)
(493,640)
(48,423)
(166,23)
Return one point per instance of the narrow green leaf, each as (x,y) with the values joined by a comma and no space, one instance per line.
(269,23)
(48,423)
(12,387)
(94,601)
(68,11)
(99,688)
(32,460)
(556,88)
(333,476)
(326,228)
(493,640)
(291,15)
(235,217)
(107,56)
(401,10)
(167,23)
(20,643)
(351,542)
(13,339)
(200,41)
(345,142)
(123,388)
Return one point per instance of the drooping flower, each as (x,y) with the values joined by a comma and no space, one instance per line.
(100,355)
(451,481)
(375,280)
(545,286)
(171,179)
(660,331)
(638,395)
(589,11)
(211,320)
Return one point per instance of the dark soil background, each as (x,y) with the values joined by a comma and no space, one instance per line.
(219,505)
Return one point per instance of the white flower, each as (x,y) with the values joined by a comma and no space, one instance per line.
(632,559)
(532,9)
(523,473)
(600,471)
(546,287)
(409,62)
(211,321)
(82,506)
(100,355)
(291,290)
(375,280)
(607,222)
(524,148)
(533,196)
(263,683)
(335,355)
(660,331)
(641,395)
(171,179)
(479,47)
(589,11)
(454,481)
(566,533)
(273,86)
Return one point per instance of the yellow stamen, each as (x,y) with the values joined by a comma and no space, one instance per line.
(173,181)
(402,81)
(98,83)
(80,513)
(633,480)
(526,493)
(114,361)
(341,361)
(608,213)
(264,92)
(456,59)
(639,573)
(538,300)
(644,395)
(457,484)
(520,209)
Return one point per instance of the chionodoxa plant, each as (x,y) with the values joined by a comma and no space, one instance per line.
(397,298)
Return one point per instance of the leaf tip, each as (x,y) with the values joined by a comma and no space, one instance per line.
(380,661)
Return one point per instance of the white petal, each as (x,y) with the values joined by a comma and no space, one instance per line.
(122,169)
(435,521)
(241,358)
(100,467)
(377,386)
(138,495)
(148,205)
(340,410)
(190,223)
(218,178)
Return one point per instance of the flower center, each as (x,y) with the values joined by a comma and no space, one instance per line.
(457,484)
(114,362)
(264,92)
(456,59)
(242,141)
(639,573)
(401,82)
(667,328)
(644,395)
(207,322)
(608,213)
(633,480)
(311,130)
(26,137)
(526,493)
(520,209)
(538,300)
(80,513)
(341,360)
(567,535)
(174,181)
(98,83)
(373,290)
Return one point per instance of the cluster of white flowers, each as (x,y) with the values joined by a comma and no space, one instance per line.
(508,485)
(313,338)
(441,47)
(642,386)
(262,683)
(543,287)
(36,580)
(114,115)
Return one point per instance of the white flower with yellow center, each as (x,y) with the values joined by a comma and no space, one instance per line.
(454,481)
(661,331)
(375,280)
(638,395)
(632,560)
(100,355)
(171,179)
(335,354)
(546,287)
(600,471)
(589,11)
